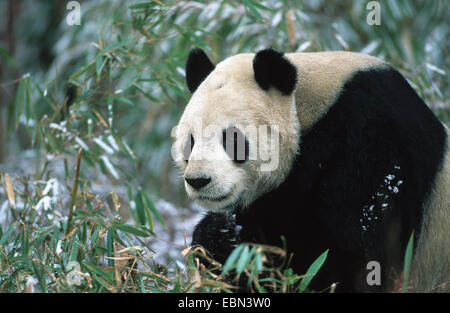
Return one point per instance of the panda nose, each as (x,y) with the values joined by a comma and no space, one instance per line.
(198,183)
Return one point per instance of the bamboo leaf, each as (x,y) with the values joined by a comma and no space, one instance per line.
(153,209)
(230,262)
(18,104)
(140,208)
(135,230)
(243,261)
(407,263)
(99,64)
(253,9)
(10,191)
(114,46)
(312,271)
(110,246)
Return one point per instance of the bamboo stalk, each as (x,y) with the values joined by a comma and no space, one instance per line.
(74,191)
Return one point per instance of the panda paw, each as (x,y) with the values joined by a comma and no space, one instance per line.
(218,233)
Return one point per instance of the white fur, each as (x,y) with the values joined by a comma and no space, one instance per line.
(431,266)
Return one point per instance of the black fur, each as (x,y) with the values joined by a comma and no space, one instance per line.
(272,68)
(218,234)
(198,67)
(235,144)
(378,126)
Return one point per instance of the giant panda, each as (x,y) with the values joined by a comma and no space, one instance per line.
(361,163)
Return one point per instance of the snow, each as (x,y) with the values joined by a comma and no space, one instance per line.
(58,248)
(304,46)
(109,166)
(113,142)
(81,143)
(104,146)
(31,283)
(57,127)
(130,152)
(5,213)
(171,241)
(53,186)
(389,188)
(43,204)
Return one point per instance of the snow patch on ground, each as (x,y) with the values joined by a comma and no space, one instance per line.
(180,224)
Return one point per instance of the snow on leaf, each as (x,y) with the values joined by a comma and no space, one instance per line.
(58,248)
(44,204)
(31,282)
(104,146)
(81,143)
(110,167)
(57,127)
(113,143)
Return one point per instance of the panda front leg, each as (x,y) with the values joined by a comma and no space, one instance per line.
(218,233)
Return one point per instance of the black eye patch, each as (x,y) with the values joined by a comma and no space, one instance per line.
(235,144)
(189,145)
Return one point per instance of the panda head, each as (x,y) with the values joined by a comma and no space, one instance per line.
(238,135)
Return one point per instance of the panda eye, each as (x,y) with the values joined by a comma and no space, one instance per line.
(235,144)
(188,148)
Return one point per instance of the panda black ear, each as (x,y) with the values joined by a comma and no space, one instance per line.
(198,67)
(272,68)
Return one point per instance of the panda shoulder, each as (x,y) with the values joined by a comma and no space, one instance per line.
(322,76)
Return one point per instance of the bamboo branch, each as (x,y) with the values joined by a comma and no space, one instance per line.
(74,191)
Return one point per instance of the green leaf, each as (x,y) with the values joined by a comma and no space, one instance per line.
(18,105)
(98,271)
(99,64)
(74,250)
(312,271)
(148,216)
(271,280)
(77,74)
(407,263)
(40,276)
(259,262)
(139,208)
(152,207)
(110,246)
(126,100)
(244,259)
(135,230)
(94,235)
(27,100)
(260,6)
(24,242)
(8,234)
(261,289)
(253,9)
(142,5)
(229,263)
(115,46)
